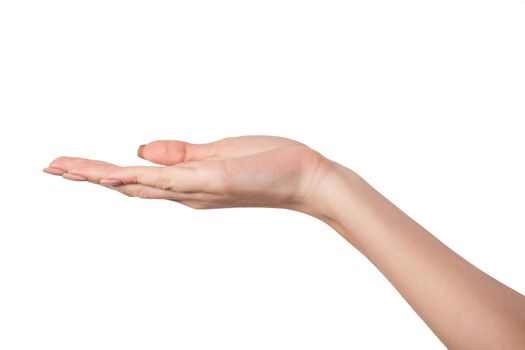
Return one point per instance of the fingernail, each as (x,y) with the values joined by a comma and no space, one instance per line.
(110,182)
(53,171)
(73,177)
(140,151)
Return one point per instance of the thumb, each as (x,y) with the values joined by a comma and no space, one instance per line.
(169,152)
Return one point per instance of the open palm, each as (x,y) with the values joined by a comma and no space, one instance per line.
(258,171)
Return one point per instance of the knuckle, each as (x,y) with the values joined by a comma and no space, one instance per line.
(216,179)
(162,182)
(61,159)
(142,192)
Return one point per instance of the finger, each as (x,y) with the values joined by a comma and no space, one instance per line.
(54,171)
(79,169)
(148,192)
(92,172)
(173,152)
(143,191)
(177,179)
(68,163)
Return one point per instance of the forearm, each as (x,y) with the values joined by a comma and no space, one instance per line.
(465,308)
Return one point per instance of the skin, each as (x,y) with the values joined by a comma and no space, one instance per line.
(464,307)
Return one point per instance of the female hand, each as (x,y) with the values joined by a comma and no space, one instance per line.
(466,308)
(248,171)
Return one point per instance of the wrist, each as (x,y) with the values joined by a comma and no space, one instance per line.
(334,189)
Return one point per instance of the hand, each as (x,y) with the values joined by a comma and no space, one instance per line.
(465,307)
(248,171)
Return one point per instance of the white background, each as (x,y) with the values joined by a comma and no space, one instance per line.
(425,99)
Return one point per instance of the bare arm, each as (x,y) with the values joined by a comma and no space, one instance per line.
(465,308)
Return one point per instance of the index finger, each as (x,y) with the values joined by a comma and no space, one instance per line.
(91,170)
(173,178)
